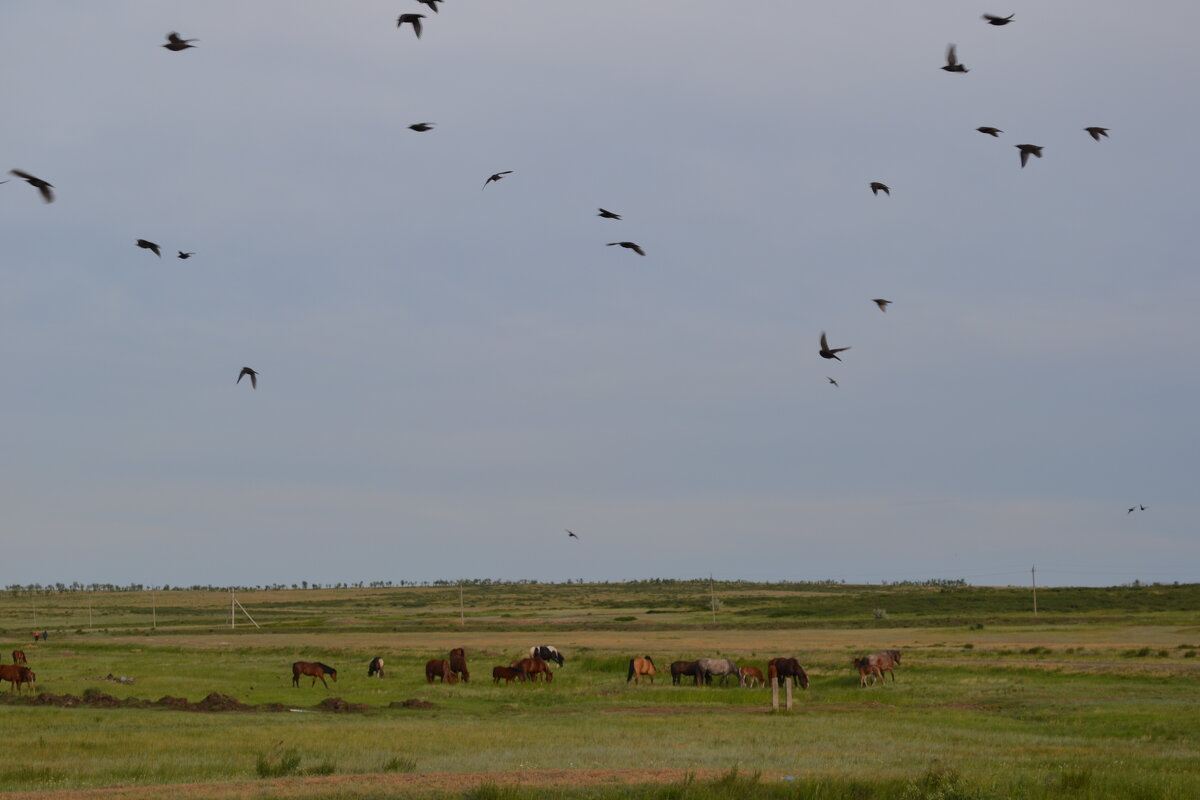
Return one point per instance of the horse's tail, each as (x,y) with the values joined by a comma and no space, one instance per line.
(630,676)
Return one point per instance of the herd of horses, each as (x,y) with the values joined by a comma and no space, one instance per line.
(703,670)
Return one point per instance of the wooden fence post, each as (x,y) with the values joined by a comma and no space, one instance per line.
(787,682)
(774,692)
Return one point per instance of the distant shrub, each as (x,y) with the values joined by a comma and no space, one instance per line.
(1190,654)
(324,768)
(1164,654)
(1185,647)
(879,613)
(976,626)
(624,619)
(399,764)
(968,646)
(1036,651)
(1141,652)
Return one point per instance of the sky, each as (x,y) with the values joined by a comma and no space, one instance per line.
(453,375)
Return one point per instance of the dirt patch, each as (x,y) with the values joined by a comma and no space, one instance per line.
(412,702)
(340,706)
(220,702)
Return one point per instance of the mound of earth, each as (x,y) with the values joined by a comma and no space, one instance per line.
(338,705)
(98,699)
(176,703)
(220,702)
(58,700)
(412,702)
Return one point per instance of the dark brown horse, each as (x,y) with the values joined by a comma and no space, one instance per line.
(458,664)
(439,668)
(509,674)
(532,667)
(313,669)
(19,657)
(639,667)
(375,667)
(17,675)
(681,668)
(752,676)
(789,668)
(884,661)
(866,669)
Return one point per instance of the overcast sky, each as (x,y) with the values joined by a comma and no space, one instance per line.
(451,375)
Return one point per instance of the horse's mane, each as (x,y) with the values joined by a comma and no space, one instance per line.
(326,667)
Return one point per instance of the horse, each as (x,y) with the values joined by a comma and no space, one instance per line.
(19,657)
(439,668)
(884,661)
(17,675)
(865,669)
(639,667)
(752,676)
(789,668)
(375,667)
(532,667)
(508,673)
(458,664)
(724,667)
(313,669)
(546,652)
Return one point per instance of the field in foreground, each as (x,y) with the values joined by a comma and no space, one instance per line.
(1091,701)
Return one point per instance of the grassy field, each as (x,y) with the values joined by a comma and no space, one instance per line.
(1094,697)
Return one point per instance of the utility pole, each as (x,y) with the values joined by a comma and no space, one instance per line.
(462,614)
(232,609)
(1033,575)
(713,594)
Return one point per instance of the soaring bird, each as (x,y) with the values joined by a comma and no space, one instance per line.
(877,187)
(253,377)
(1097,132)
(1027,150)
(431,3)
(421,127)
(42,186)
(883,304)
(990,131)
(630,246)
(1142,507)
(185,256)
(952,64)
(571,534)
(174,42)
(992,19)
(1131,510)
(831,380)
(415,19)
(826,352)
(496,177)
(608,214)
(148,245)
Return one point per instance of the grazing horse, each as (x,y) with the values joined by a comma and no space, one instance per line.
(639,667)
(884,661)
(19,657)
(458,664)
(681,668)
(439,668)
(707,667)
(17,675)
(789,668)
(752,676)
(532,667)
(546,652)
(375,667)
(313,669)
(865,669)
(508,673)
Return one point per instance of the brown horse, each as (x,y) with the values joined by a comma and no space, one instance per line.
(19,657)
(375,667)
(507,673)
(439,668)
(532,667)
(789,668)
(681,668)
(639,667)
(458,664)
(17,675)
(865,670)
(313,669)
(752,676)
(884,661)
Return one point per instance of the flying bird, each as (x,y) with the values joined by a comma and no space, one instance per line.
(992,19)
(421,127)
(42,186)
(175,43)
(629,246)
(571,534)
(415,19)
(496,177)
(431,3)
(1027,150)
(877,187)
(185,256)
(952,64)
(608,214)
(831,380)
(990,131)
(883,304)
(253,377)
(148,245)
(1131,510)
(826,352)
(1142,507)
(1097,132)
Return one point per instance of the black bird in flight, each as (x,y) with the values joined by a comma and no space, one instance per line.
(608,214)
(883,304)
(992,19)
(1097,132)
(253,377)
(148,245)
(1131,510)
(825,350)
(952,64)
(831,380)
(415,19)
(1143,508)
(431,3)
(42,186)
(1027,150)
(175,43)
(990,131)
(571,534)
(496,177)
(629,246)
(877,187)
(421,127)
(185,256)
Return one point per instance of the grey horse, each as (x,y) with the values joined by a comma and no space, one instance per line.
(724,667)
